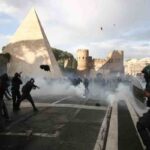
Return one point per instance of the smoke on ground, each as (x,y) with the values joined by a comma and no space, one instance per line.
(107,93)
(124,92)
(57,87)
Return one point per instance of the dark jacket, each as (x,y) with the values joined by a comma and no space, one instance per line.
(16,82)
(26,89)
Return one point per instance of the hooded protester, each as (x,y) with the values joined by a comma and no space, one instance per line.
(26,89)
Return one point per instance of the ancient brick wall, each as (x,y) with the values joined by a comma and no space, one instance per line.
(112,64)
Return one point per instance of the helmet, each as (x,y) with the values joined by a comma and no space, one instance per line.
(17,74)
(32,80)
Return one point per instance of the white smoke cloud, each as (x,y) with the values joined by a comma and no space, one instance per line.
(58,87)
(108,93)
(124,92)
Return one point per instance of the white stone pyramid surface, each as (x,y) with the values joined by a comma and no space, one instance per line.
(29,48)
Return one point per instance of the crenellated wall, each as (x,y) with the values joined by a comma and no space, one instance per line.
(98,63)
(112,64)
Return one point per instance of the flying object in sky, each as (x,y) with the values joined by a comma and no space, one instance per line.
(45,67)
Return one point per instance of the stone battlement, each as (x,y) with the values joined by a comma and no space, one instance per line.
(113,62)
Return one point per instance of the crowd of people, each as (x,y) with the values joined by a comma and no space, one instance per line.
(17,96)
(109,83)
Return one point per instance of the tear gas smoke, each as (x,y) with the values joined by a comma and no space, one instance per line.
(111,91)
(97,91)
(57,87)
(124,92)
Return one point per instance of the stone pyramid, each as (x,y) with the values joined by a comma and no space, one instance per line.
(29,48)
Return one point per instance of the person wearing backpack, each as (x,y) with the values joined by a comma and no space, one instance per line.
(26,89)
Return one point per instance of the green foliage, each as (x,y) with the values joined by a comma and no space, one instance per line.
(61,56)
(4,58)
(3,48)
(7,56)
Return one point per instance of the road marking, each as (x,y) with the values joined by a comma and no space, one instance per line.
(101,140)
(79,109)
(23,118)
(32,134)
(57,101)
(65,98)
(76,112)
(26,104)
(112,138)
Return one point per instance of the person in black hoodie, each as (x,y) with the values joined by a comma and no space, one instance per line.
(15,89)
(26,89)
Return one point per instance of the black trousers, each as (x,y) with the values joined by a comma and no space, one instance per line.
(15,96)
(3,108)
(144,129)
(28,97)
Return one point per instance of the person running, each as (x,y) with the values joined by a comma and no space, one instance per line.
(26,89)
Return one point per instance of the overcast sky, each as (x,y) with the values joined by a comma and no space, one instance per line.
(73,24)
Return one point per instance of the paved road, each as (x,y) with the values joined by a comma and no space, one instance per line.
(62,123)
